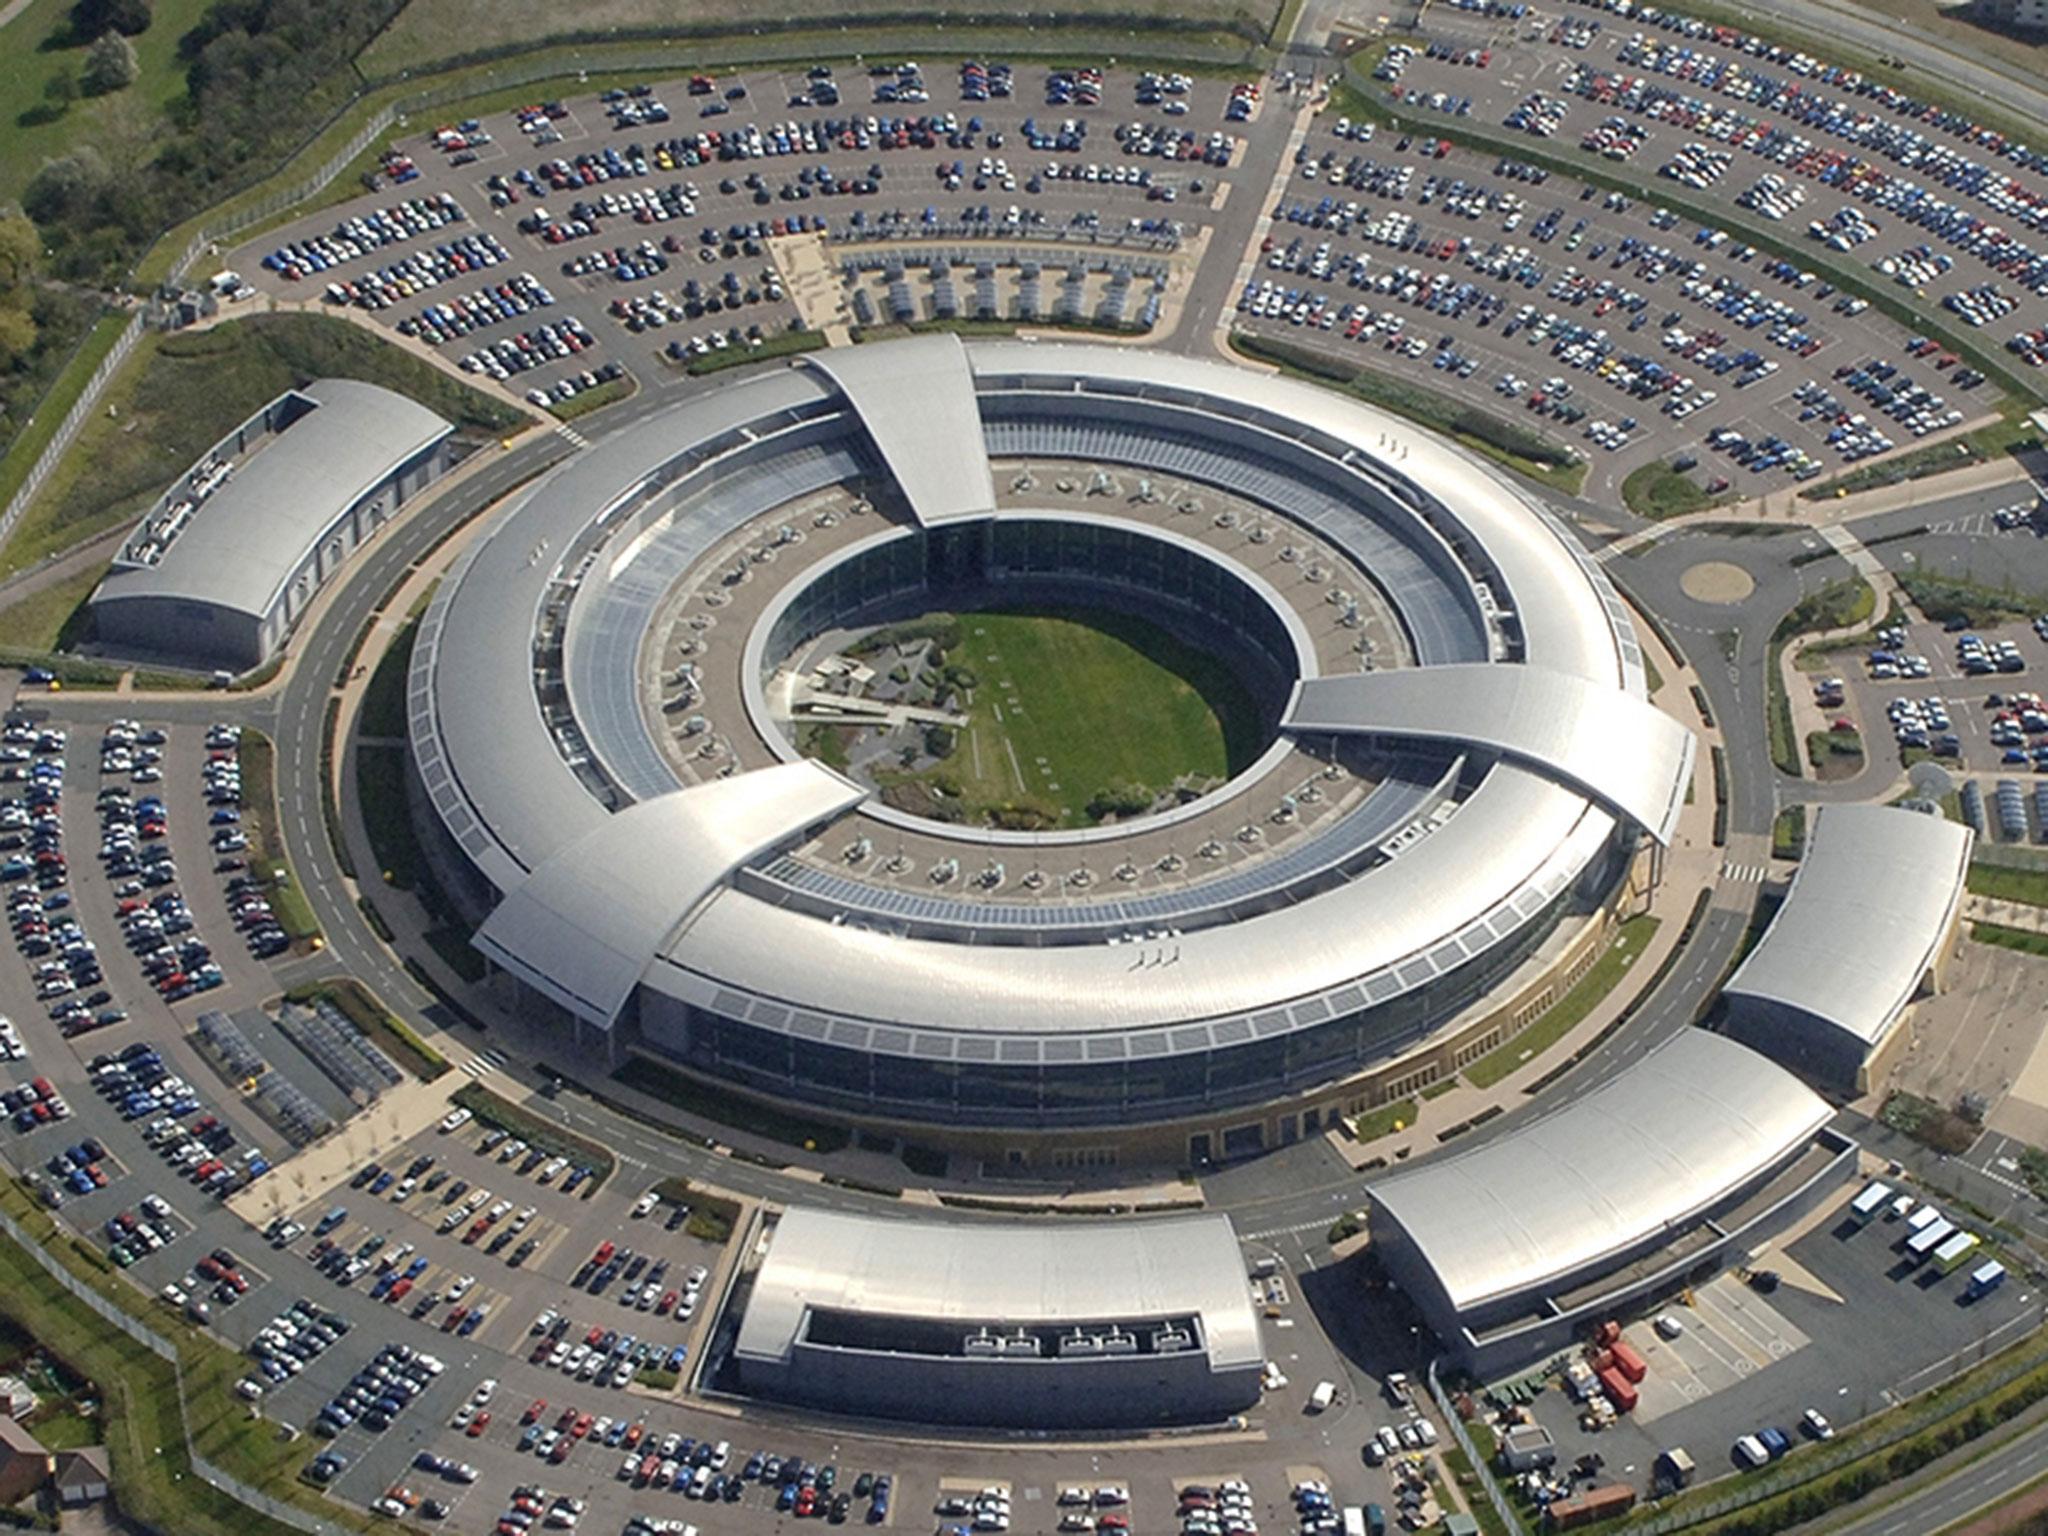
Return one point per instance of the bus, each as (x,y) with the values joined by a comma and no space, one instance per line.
(1928,1238)
(1865,1206)
(1950,1256)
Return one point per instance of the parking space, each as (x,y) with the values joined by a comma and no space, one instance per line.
(581,237)
(1721,1333)
(1612,328)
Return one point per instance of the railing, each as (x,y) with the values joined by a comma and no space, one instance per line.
(158,1345)
(1480,1466)
(67,430)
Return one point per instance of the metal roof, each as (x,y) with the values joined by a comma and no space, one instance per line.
(916,399)
(1013,1273)
(1623,751)
(1873,899)
(1644,1153)
(245,541)
(583,926)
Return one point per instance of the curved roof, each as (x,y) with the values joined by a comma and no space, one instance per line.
(583,926)
(1873,899)
(1644,1153)
(246,539)
(1014,1273)
(916,399)
(499,774)
(1623,751)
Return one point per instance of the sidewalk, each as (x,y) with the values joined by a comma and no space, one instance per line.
(1693,862)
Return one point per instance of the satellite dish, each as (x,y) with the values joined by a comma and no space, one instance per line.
(1931,781)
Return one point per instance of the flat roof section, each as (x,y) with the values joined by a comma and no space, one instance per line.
(245,541)
(1643,1153)
(1874,897)
(1016,1273)
(1623,751)
(916,399)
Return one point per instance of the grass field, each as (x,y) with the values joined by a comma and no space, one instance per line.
(1069,702)
(26,141)
(181,393)
(52,618)
(430,30)
(1602,978)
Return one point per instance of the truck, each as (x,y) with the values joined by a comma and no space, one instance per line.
(1918,1220)
(1865,1206)
(1928,1238)
(1984,1279)
(1593,1504)
(1325,1394)
(1952,1255)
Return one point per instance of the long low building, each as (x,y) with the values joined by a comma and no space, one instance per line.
(1063,1325)
(219,570)
(1628,1191)
(1866,928)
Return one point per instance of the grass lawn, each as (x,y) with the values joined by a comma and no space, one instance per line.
(180,394)
(431,30)
(266,853)
(53,618)
(2019,939)
(1657,490)
(1385,1120)
(2008,882)
(1069,702)
(380,781)
(26,141)
(1943,597)
(1788,833)
(1602,978)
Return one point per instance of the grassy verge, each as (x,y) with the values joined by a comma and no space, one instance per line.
(681,1091)
(1585,994)
(63,393)
(1819,655)
(1459,1465)
(391,1034)
(1840,751)
(2009,882)
(180,394)
(1656,490)
(787,344)
(1943,598)
(266,839)
(381,793)
(2008,435)
(53,619)
(1788,833)
(1515,447)
(384,712)
(712,1217)
(1388,1118)
(584,401)
(550,1136)
(2018,939)
(1838,605)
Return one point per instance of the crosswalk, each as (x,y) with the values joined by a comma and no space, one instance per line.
(574,438)
(484,1064)
(1746,874)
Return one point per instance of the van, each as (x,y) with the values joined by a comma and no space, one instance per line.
(1324,1395)
(1375,1521)
(1750,1452)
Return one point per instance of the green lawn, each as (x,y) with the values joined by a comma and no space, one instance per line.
(383,712)
(1604,975)
(102,121)
(180,394)
(1657,490)
(2005,882)
(1067,703)
(52,618)
(267,855)
(1386,1119)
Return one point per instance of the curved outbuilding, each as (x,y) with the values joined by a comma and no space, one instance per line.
(1633,1183)
(220,569)
(610,647)
(1071,1325)
(1866,928)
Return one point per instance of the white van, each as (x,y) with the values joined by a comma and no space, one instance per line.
(1324,1395)
(1751,1453)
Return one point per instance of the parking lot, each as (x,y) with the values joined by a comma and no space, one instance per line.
(648,226)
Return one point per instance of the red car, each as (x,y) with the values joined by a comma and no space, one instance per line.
(478,1424)
(534,1410)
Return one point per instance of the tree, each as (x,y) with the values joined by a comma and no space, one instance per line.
(17,335)
(21,250)
(110,65)
(64,186)
(91,18)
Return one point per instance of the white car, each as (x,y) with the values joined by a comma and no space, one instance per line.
(454,1120)
(645,1203)
(1668,1326)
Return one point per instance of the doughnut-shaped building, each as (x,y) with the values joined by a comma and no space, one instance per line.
(1459,772)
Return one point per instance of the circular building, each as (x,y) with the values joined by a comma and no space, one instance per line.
(1070,752)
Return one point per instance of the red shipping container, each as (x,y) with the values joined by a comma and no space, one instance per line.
(1618,1389)
(1607,1332)
(1628,1362)
(1593,1504)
